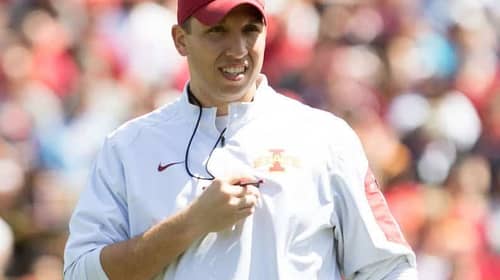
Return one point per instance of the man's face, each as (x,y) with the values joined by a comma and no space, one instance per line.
(226,58)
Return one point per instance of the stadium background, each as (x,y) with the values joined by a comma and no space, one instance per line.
(419,80)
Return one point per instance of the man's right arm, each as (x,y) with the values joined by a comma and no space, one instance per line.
(144,256)
(100,245)
(140,257)
(220,206)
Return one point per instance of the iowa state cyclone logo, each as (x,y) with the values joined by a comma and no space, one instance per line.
(276,160)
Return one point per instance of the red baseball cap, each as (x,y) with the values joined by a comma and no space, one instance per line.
(210,12)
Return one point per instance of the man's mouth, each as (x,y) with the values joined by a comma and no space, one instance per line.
(234,73)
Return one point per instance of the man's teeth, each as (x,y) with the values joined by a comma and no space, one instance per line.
(234,70)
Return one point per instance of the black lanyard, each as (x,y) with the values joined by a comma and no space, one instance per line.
(220,139)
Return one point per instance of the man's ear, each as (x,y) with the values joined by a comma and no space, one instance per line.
(179,37)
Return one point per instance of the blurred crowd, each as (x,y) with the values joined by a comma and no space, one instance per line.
(419,81)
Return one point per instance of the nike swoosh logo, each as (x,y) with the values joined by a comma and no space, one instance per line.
(161,167)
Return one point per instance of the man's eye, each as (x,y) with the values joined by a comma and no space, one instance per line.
(252,28)
(216,29)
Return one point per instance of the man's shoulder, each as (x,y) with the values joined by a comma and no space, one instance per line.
(307,120)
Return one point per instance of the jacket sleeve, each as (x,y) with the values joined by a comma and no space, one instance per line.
(369,242)
(99,219)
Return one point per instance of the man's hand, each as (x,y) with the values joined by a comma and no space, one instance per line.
(221,205)
(224,203)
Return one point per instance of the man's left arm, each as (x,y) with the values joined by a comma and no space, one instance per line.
(370,242)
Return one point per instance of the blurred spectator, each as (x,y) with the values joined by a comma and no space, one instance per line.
(418,80)
(6,247)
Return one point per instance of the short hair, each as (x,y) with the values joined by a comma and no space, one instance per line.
(186,25)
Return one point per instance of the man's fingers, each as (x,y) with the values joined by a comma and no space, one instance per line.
(247,201)
(247,181)
(240,191)
(245,212)
(236,191)
(250,189)
(244,201)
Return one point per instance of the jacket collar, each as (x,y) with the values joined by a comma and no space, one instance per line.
(239,113)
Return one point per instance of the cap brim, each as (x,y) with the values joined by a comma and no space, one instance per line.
(215,11)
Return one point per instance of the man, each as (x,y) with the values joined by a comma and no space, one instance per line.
(232,181)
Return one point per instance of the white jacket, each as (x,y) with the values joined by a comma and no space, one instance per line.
(320,215)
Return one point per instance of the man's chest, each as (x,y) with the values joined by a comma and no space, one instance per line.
(160,179)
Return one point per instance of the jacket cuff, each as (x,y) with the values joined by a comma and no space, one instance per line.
(93,265)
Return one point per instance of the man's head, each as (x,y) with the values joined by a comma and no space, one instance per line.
(210,12)
(224,46)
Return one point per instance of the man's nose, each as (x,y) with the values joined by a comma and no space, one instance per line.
(237,46)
